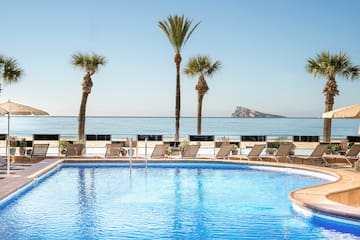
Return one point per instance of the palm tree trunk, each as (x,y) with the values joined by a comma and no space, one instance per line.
(199,113)
(81,124)
(329,103)
(201,88)
(86,90)
(177,60)
(330,91)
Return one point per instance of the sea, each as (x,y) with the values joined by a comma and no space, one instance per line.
(123,127)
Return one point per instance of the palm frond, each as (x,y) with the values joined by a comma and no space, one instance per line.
(87,62)
(313,67)
(213,68)
(201,65)
(352,72)
(177,30)
(10,71)
(186,37)
(330,65)
(164,26)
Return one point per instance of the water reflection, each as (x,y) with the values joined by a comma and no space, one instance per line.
(177,221)
(200,213)
(87,220)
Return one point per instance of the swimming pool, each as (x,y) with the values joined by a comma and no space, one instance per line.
(164,201)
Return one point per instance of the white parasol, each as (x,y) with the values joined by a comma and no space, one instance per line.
(11,108)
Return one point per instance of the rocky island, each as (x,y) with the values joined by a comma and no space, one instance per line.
(243,112)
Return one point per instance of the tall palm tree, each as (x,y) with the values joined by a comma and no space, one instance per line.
(202,66)
(329,66)
(90,64)
(178,30)
(10,72)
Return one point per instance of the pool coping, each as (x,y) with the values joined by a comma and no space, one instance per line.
(313,198)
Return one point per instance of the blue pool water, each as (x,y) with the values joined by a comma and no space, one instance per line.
(165,201)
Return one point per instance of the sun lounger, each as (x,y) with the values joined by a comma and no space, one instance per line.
(13,166)
(282,153)
(224,151)
(39,151)
(160,150)
(3,162)
(113,150)
(316,157)
(351,154)
(255,152)
(190,151)
(74,150)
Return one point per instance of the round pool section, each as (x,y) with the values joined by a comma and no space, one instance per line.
(165,201)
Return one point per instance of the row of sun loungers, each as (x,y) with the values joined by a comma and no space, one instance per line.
(160,151)
(317,156)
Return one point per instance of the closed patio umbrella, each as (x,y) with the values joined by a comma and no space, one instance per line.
(11,108)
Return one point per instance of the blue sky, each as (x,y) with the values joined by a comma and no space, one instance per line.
(263,46)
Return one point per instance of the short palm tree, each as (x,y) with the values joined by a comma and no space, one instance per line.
(9,70)
(90,64)
(329,66)
(178,30)
(201,66)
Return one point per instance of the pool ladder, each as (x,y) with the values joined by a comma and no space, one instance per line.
(131,153)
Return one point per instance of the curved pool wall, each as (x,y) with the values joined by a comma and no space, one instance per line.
(308,212)
(317,174)
(348,197)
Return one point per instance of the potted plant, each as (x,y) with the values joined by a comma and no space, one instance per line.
(12,143)
(174,151)
(333,148)
(22,146)
(63,144)
(182,145)
(270,151)
(235,150)
(123,151)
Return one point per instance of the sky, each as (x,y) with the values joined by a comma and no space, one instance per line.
(263,46)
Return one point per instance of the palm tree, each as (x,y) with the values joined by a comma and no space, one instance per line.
(202,66)
(329,66)
(10,72)
(178,31)
(89,63)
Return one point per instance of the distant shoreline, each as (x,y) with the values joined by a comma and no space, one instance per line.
(68,116)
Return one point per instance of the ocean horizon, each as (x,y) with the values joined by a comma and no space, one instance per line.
(130,126)
(135,116)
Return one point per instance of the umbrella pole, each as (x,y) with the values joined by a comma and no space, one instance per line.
(7,146)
